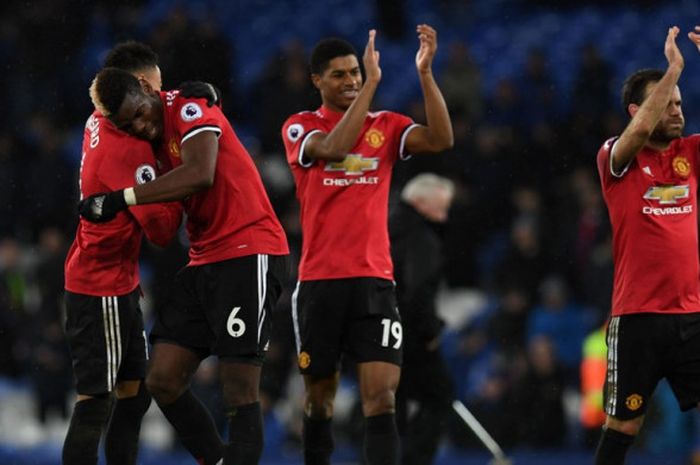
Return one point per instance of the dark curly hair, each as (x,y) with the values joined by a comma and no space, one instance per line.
(326,50)
(109,89)
(131,56)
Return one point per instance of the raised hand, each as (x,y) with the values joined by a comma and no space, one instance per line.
(371,59)
(428,46)
(695,37)
(673,54)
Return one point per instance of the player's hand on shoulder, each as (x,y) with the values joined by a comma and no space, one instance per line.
(427,37)
(102,207)
(201,89)
(371,59)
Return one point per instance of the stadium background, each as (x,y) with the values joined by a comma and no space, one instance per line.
(533,91)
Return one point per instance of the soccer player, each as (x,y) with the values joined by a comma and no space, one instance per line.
(649,177)
(416,250)
(104,323)
(237,253)
(341,156)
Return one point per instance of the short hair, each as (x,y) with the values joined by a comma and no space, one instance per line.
(635,85)
(326,50)
(424,184)
(109,89)
(131,56)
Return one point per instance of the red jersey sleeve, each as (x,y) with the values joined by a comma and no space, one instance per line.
(193,116)
(295,132)
(604,161)
(404,124)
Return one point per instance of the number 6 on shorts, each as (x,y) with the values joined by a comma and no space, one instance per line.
(235,326)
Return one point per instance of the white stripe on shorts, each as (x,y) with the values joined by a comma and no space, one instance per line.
(295,317)
(611,405)
(113,342)
(262,290)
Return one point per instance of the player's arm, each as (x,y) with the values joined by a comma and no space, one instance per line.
(648,114)
(198,154)
(437,135)
(335,145)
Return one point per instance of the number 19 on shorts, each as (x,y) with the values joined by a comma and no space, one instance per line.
(392,333)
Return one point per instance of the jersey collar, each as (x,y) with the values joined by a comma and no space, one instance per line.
(331,115)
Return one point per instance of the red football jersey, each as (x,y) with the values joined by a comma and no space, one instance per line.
(344,205)
(234,217)
(103,259)
(653,212)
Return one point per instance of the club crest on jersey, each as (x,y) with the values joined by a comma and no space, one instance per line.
(667,195)
(681,166)
(174,148)
(375,138)
(295,131)
(190,112)
(353,165)
(144,174)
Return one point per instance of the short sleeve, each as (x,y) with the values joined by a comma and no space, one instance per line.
(193,116)
(295,133)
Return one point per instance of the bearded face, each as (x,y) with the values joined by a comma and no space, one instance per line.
(672,122)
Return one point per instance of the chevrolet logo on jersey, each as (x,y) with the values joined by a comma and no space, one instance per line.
(667,195)
(353,165)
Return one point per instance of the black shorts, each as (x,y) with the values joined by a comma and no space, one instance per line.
(355,317)
(644,348)
(106,339)
(223,308)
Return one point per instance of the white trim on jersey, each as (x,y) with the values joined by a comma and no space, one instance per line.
(402,144)
(113,341)
(295,317)
(196,131)
(300,159)
(262,290)
(624,170)
(611,405)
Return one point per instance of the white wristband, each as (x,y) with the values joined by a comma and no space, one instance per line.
(130,196)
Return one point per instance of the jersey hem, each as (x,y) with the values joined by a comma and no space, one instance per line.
(107,293)
(247,253)
(675,311)
(311,277)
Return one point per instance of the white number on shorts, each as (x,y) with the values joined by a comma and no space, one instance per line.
(235,326)
(395,329)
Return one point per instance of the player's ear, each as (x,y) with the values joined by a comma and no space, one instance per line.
(316,80)
(145,85)
(632,109)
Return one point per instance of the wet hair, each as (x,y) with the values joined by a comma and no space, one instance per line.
(131,56)
(326,50)
(109,89)
(635,85)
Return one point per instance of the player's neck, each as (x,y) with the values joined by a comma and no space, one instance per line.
(658,146)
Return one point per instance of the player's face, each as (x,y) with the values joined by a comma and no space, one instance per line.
(340,83)
(152,77)
(141,116)
(671,124)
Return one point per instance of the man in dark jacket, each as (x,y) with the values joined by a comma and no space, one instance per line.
(416,249)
